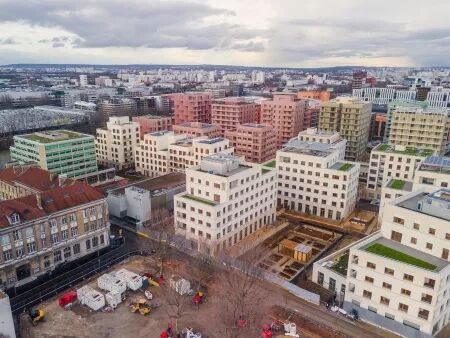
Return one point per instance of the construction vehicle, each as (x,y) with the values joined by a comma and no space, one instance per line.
(36,316)
(142,306)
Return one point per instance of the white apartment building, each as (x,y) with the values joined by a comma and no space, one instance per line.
(226,200)
(384,95)
(327,137)
(117,143)
(313,178)
(433,172)
(164,152)
(392,162)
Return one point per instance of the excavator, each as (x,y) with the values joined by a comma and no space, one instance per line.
(36,316)
(142,306)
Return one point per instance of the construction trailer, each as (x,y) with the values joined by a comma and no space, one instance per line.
(113,299)
(91,298)
(300,252)
(133,281)
(111,283)
(181,285)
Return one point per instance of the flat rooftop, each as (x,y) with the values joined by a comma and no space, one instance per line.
(157,184)
(254,125)
(212,140)
(159,133)
(436,164)
(400,184)
(386,148)
(53,136)
(404,254)
(308,148)
(436,204)
(199,125)
(342,166)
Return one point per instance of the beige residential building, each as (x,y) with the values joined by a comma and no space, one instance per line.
(351,118)
(116,144)
(285,113)
(421,128)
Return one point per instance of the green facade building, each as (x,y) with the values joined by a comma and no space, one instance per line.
(60,151)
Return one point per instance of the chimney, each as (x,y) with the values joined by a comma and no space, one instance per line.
(39,201)
(62,179)
(52,176)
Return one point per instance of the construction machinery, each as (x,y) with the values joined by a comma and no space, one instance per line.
(36,316)
(141,306)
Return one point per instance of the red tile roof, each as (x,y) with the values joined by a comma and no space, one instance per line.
(25,211)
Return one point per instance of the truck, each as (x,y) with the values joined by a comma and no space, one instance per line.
(133,281)
(110,283)
(91,298)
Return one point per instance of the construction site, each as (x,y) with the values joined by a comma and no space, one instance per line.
(132,299)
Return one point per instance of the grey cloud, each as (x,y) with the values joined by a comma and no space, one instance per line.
(58,44)
(8,41)
(115,23)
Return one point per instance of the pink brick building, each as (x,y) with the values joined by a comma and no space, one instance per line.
(229,112)
(191,107)
(152,123)
(197,129)
(285,113)
(257,142)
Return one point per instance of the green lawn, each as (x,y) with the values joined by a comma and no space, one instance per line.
(382,147)
(345,167)
(397,184)
(199,199)
(382,250)
(70,136)
(270,164)
(264,170)
(341,265)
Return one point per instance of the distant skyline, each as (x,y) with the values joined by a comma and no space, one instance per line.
(265,33)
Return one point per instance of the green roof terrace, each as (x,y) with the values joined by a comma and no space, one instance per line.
(386,148)
(199,199)
(53,136)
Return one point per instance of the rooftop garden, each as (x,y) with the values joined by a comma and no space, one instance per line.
(199,199)
(407,151)
(345,167)
(64,135)
(341,265)
(270,164)
(265,171)
(382,250)
(397,184)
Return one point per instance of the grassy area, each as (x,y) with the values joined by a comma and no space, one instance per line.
(69,136)
(264,170)
(397,184)
(199,199)
(341,265)
(408,150)
(382,250)
(270,164)
(382,147)
(345,167)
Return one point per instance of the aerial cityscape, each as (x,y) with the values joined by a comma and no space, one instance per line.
(206,169)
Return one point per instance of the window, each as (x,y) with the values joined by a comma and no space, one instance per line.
(423,314)
(102,239)
(427,298)
(403,307)
(55,238)
(67,252)
(405,292)
(429,283)
(416,226)
(389,271)
(74,231)
(371,265)
(57,256)
(413,240)
(64,235)
(432,231)
(88,244)
(429,246)
(369,279)
(17,235)
(7,255)
(445,253)
(76,249)
(95,241)
(399,220)
(367,294)
(19,252)
(384,300)
(407,277)
(396,236)
(31,247)
(387,285)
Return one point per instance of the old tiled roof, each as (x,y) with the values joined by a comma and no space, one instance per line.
(25,211)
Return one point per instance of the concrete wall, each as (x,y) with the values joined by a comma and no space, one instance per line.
(6,319)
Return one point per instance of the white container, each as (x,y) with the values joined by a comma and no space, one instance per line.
(91,298)
(132,280)
(113,298)
(180,285)
(110,283)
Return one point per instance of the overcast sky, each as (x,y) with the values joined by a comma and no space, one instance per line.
(289,33)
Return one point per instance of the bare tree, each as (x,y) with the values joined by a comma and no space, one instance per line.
(177,303)
(162,224)
(203,272)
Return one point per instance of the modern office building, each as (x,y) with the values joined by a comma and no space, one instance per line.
(38,232)
(60,151)
(314,179)
(191,107)
(226,200)
(256,142)
(392,162)
(351,118)
(285,114)
(197,129)
(420,128)
(230,112)
(116,144)
(117,106)
(152,123)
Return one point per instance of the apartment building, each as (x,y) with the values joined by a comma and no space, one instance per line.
(116,144)
(230,112)
(197,129)
(285,114)
(399,278)
(226,200)
(384,95)
(152,123)
(421,128)
(19,181)
(117,106)
(314,179)
(191,107)
(164,152)
(433,172)
(399,104)
(38,232)
(351,118)
(321,95)
(388,162)
(256,142)
(60,151)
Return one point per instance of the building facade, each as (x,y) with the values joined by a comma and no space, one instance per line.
(60,151)
(285,114)
(191,107)
(351,118)
(116,144)
(226,200)
(152,123)
(230,112)
(197,129)
(256,142)
(321,95)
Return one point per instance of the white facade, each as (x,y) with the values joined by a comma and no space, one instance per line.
(313,178)
(164,152)
(6,318)
(116,144)
(83,80)
(226,200)
(433,172)
(384,95)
